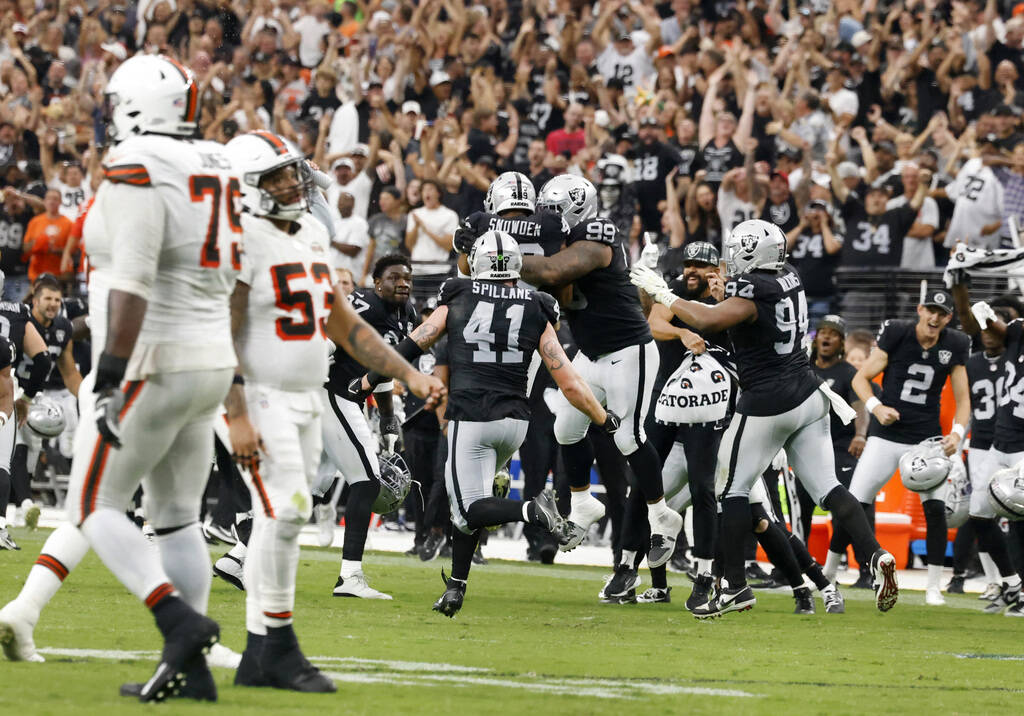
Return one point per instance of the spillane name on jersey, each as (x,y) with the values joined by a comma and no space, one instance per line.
(284,343)
(492,331)
(775,374)
(56,336)
(985,377)
(914,377)
(392,322)
(188,323)
(13,319)
(1009,429)
(604,313)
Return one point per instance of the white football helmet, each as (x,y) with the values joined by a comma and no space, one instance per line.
(925,465)
(571,196)
(46,417)
(511,190)
(755,244)
(1006,493)
(151,94)
(958,495)
(256,154)
(495,256)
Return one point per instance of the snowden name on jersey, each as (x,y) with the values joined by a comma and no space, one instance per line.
(520,228)
(491,290)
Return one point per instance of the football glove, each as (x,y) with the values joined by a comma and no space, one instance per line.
(109,398)
(653,284)
(390,432)
(355,391)
(650,255)
(464,238)
(611,424)
(983,314)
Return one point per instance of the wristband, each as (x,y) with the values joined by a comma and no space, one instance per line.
(872,403)
(238,380)
(959,430)
(109,372)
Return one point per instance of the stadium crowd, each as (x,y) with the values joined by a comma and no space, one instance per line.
(876,135)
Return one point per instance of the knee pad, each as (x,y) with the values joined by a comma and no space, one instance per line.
(570,426)
(626,440)
(295,513)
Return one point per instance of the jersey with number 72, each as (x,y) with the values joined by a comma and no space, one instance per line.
(775,375)
(914,377)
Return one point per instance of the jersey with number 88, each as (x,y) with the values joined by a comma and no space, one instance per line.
(914,378)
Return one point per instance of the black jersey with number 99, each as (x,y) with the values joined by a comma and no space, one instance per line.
(493,330)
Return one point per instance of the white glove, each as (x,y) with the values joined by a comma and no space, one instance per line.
(652,283)
(983,314)
(781,460)
(650,255)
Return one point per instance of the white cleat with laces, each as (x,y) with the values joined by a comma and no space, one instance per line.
(16,634)
(356,586)
(578,523)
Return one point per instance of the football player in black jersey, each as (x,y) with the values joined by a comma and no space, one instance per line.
(916,357)
(1007,451)
(59,386)
(782,403)
(7,356)
(617,357)
(348,442)
(493,326)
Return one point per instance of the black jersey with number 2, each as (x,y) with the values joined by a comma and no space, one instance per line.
(913,379)
(1009,428)
(604,313)
(985,376)
(775,374)
(56,336)
(493,330)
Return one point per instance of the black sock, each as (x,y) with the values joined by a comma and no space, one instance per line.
(168,612)
(254,643)
(491,511)
(635,526)
(243,529)
(647,470)
(937,534)
(776,547)
(807,564)
(20,488)
(963,548)
(735,528)
(5,491)
(659,577)
(463,547)
(845,507)
(991,540)
(578,459)
(357,518)
(281,639)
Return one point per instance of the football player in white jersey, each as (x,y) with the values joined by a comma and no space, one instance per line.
(279,309)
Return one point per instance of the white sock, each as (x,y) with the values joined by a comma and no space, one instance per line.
(3,520)
(238,551)
(578,499)
(934,576)
(61,553)
(251,574)
(350,567)
(26,503)
(122,548)
(628,558)
(991,571)
(704,565)
(832,562)
(278,553)
(186,560)
(1013,580)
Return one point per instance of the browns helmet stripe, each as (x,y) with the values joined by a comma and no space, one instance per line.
(192,102)
(271,139)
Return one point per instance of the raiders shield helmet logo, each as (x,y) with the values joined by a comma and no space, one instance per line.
(945,357)
(578,196)
(748,243)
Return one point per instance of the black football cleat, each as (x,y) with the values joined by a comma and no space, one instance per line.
(198,684)
(956,585)
(188,640)
(701,593)
(864,580)
(620,587)
(249,671)
(804,601)
(727,600)
(450,602)
(430,546)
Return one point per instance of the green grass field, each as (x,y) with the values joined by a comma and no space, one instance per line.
(533,639)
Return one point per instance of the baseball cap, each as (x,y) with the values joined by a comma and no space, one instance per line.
(701,252)
(939,298)
(344,162)
(1003,110)
(19,27)
(261,57)
(848,170)
(117,49)
(665,51)
(860,37)
(782,175)
(835,322)
(411,106)
(360,150)
(439,77)
(649,121)
(886,146)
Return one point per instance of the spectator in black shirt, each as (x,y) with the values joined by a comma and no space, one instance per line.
(814,252)
(323,98)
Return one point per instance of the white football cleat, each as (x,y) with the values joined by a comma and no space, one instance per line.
(992,591)
(223,657)
(231,570)
(326,518)
(933,597)
(664,530)
(578,523)
(356,586)
(16,635)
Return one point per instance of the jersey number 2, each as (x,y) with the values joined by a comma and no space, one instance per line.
(479,331)
(203,186)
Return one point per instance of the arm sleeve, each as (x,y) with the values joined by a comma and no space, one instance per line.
(37,373)
(138,237)
(548,307)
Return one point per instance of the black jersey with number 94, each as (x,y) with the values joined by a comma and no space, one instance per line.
(493,331)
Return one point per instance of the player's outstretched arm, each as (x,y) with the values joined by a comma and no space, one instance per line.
(703,317)
(567,265)
(567,379)
(874,365)
(357,338)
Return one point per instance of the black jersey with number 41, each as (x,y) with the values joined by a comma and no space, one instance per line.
(393,322)
(493,330)
(913,379)
(604,313)
(775,374)
(1009,428)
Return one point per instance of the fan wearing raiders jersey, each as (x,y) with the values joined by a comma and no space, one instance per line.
(493,326)
(782,403)
(916,358)
(1007,451)
(348,441)
(617,357)
(814,248)
(653,162)
(7,356)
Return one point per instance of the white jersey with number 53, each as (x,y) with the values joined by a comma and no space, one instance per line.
(284,344)
(165,226)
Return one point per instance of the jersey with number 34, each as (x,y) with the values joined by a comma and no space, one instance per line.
(775,374)
(914,377)
(284,343)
